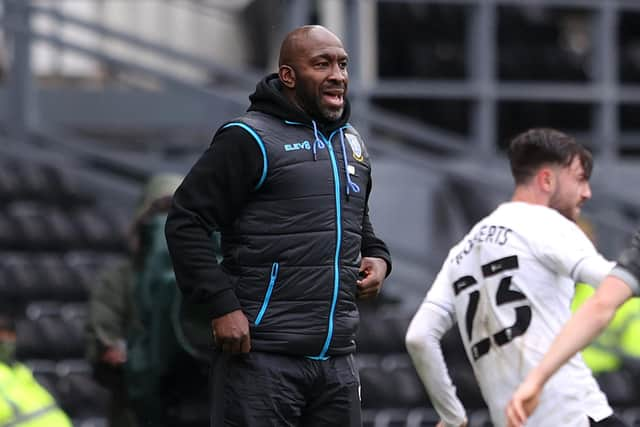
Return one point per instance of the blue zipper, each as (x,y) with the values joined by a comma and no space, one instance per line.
(336,258)
(267,296)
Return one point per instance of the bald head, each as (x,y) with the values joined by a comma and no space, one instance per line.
(299,41)
(313,72)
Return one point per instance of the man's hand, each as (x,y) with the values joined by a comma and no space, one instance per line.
(114,356)
(231,332)
(373,272)
(523,402)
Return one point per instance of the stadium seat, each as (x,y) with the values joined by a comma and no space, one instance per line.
(70,382)
(9,183)
(10,296)
(64,282)
(382,330)
(480,418)
(630,415)
(21,181)
(27,281)
(391,382)
(45,372)
(422,417)
(79,395)
(100,231)
(42,227)
(10,237)
(51,331)
(390,418)
(90,422)
(619,387)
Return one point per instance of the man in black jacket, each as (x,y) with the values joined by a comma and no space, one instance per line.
(287,187)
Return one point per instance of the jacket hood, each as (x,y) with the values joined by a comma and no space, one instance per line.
(155,199)
(268,98)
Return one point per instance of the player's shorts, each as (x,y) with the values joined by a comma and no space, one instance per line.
(610,421)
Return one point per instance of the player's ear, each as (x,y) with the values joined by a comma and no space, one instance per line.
(546,179)
(287,76)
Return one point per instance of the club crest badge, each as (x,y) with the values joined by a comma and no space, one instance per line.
(356,148)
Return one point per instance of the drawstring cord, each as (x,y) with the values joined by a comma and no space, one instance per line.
(317,142)
(350,184)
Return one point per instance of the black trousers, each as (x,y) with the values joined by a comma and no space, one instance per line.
(610,421)
(262,389)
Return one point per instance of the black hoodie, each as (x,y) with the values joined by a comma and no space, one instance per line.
(268,98)
(214,194)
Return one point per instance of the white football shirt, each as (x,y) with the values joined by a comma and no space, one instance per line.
(509,285)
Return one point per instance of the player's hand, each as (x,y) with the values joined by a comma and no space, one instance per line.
(523,402)
(373,271)
(231,332)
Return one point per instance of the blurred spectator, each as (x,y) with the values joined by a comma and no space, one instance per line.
(136,343)
(23,401)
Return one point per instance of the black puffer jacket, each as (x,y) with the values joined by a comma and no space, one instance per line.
(289,196)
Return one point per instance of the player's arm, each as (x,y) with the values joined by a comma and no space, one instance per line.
(426,329)
(585,325)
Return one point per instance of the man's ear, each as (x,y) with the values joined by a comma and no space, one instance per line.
(546,179)
(287,76)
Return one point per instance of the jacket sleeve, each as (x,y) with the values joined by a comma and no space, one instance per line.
(373,246)
(423,339)
(209,199)
(435,316)
(109,310)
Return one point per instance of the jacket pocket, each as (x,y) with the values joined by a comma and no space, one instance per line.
(267,296)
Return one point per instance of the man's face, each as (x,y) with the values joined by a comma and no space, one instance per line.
(571,191)
(322,77)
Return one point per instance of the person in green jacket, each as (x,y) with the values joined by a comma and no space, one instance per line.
(23,401)
(135,338)
(618,347)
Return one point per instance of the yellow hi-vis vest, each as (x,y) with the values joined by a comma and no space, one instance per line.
(620,338)
(24,402)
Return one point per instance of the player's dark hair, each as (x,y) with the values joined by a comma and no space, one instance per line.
(537,147)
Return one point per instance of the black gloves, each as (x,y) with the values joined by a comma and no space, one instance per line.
(630,257)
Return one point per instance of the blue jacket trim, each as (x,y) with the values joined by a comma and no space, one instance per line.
(336,258)
(267,296)
(260,144)
(317,357)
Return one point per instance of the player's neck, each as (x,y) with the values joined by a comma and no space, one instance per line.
(530,194)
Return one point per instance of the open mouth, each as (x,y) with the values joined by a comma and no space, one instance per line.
(334,98)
